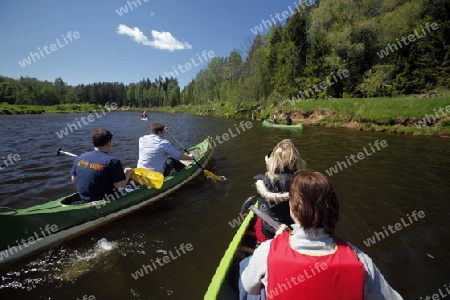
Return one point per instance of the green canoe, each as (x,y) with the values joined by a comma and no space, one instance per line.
(298,126)
(224,284)
(30,229)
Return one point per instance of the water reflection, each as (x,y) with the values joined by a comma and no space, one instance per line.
(411,173)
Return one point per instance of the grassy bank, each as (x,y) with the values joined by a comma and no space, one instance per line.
(8,109)
(404,115)
(409,115)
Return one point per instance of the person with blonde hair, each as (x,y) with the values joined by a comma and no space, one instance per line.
(273,187)
(274,119)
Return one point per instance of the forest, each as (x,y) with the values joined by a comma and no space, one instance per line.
(31,91)
(387,48)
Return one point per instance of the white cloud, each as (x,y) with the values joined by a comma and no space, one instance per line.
(152,14)
(161,40)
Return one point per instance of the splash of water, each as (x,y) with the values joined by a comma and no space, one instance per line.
(99,257)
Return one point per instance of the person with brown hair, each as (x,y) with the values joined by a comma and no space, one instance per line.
(97,174)
(157,153)
(273,186)
(311,262)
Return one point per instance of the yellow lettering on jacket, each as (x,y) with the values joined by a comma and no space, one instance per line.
(83,164)
(97,167)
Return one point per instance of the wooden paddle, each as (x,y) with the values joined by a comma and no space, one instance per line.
(207,173)
(142,176)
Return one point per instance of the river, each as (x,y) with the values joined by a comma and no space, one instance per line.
(405,179)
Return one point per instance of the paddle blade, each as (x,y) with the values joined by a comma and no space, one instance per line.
(211,175)
(147,177)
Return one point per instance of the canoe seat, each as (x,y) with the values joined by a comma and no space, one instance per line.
(72,199)
(246,249)
(250,233)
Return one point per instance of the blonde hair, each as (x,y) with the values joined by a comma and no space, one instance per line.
(284,157)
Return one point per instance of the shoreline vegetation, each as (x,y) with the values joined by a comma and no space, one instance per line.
(426,114)
(402,115)
(381,66)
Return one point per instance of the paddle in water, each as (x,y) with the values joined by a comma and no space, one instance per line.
(142,176)
(207,173)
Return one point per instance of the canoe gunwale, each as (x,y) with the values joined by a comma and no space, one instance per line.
(13,210)
(298,126)
(221,274)
(146,196)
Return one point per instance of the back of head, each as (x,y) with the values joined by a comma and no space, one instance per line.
(101,136)
(313,201)
(157,128)
(283,158)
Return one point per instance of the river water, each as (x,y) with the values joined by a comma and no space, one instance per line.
(385,187)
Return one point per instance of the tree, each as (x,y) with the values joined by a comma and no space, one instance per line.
(60,89)
(7,92)
(173,93)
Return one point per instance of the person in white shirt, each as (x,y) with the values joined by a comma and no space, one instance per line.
(158,154)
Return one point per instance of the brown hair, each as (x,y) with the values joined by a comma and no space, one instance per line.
(313,201)
(157,128)
(101,136)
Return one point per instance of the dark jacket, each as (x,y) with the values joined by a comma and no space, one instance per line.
(274,199)
(288,120)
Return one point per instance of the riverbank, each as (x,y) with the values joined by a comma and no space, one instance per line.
(417,115)
(405,115)
(8,109)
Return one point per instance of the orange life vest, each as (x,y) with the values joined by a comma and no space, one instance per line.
(292,275)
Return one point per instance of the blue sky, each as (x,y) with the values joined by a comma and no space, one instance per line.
(98,41)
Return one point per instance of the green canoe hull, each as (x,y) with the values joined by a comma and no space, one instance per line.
(30,229)
(298,126)
(224,283)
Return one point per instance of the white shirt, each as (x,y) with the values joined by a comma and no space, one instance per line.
(153,152)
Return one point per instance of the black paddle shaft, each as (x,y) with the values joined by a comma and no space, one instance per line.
(248,205)
(185,150)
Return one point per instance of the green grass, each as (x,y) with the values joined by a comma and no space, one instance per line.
(381,111)
(398,115)
(8,109)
